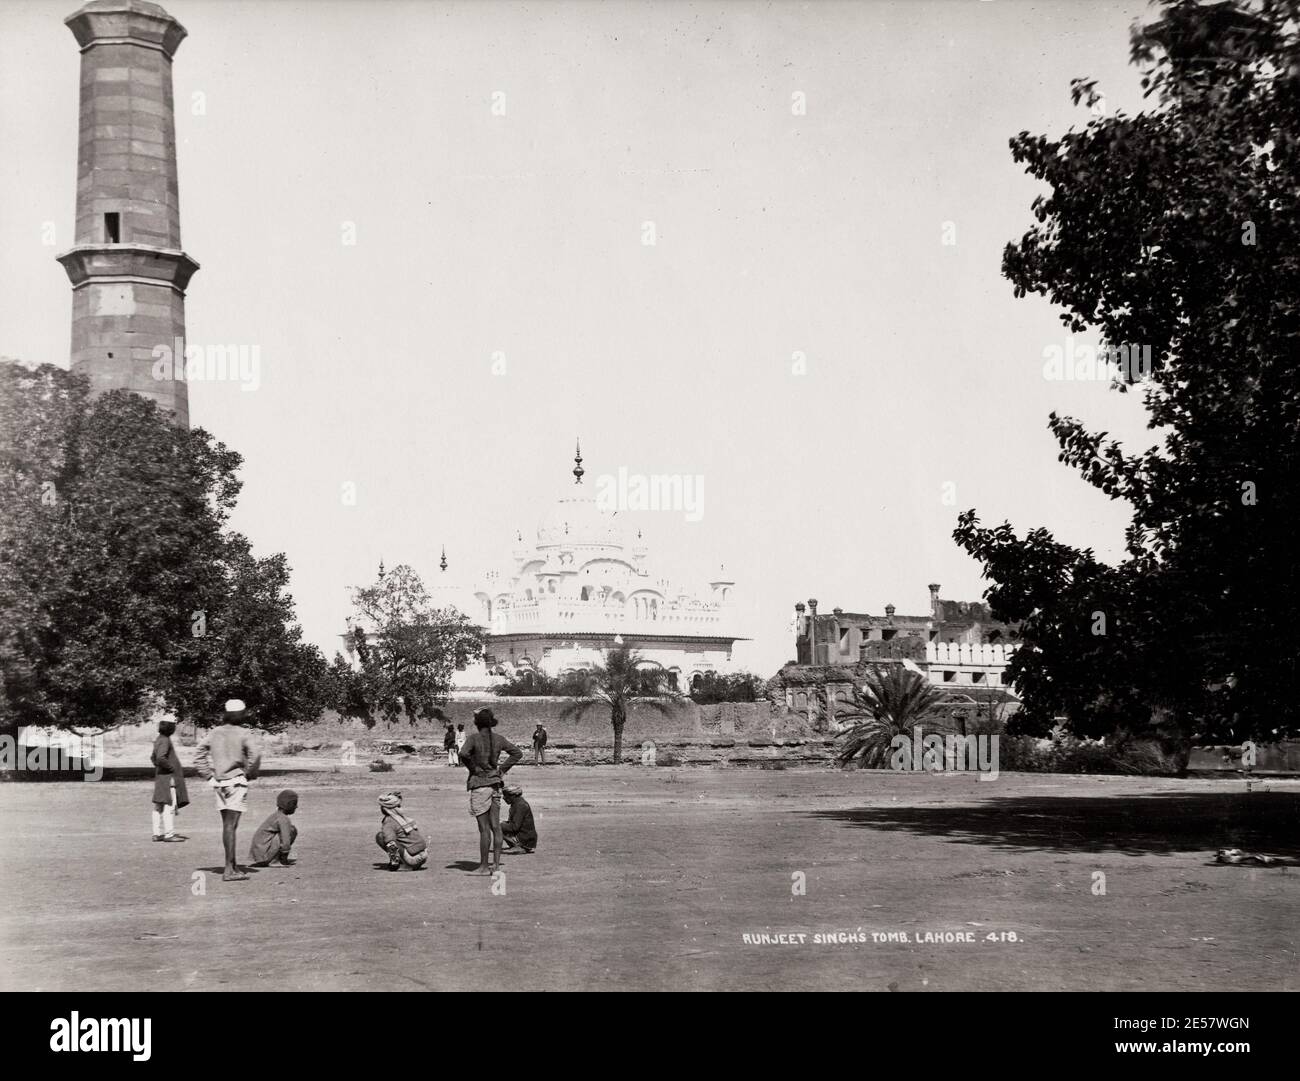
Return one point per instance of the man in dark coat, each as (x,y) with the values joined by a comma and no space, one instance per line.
(520,832)
(275,837)
(169,794)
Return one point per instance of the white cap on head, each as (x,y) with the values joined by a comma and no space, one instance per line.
(234,705)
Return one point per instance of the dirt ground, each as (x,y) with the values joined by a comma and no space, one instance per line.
(652,878)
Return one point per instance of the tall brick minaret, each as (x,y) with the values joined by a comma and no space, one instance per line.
(127,268)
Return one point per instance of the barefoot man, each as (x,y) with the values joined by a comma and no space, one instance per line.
(228,759)
(481,755)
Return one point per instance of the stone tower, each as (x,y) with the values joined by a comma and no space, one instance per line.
(127,268)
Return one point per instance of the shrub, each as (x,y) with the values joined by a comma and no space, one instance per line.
(741,687)
(1064,753)
(537,684)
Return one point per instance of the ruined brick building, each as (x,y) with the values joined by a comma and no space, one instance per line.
(846,637)
(957,646)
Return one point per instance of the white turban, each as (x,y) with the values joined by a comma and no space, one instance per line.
(234,705)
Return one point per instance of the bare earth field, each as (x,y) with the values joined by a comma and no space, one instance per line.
(651,878)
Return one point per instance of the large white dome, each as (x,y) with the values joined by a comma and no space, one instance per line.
(576,519)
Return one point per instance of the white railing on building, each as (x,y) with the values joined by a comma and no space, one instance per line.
(570,615)
(994,655)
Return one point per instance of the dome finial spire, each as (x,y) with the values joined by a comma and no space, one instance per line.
(577,463)
(442,563)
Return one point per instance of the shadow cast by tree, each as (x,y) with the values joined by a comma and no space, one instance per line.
(1135,825)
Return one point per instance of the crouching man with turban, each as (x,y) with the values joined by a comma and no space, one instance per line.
(519,833)
(399,836)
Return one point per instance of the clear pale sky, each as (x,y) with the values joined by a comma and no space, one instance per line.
(776,234)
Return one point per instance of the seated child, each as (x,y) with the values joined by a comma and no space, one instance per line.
(399,836)
(275,837)
(518,830)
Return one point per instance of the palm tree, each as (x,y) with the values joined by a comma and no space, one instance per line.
(893,700)
(615,684)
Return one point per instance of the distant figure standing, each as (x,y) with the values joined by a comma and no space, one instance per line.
(481,755)
(169,794)
(539,745)
(460,739)
(228,759)
(449,744)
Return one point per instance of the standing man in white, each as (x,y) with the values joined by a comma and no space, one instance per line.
(228,759)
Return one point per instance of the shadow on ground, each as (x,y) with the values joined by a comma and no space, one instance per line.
(1267,822)
(87,772)
(146,773)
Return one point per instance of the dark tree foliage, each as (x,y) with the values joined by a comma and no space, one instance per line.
(1176,229)
(528,684)
(120,587)
(252,649)
(739,687)
(405,664)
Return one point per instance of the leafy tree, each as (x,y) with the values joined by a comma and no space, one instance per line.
(737,687)
(615,685)
(528,684)
(892,699)
(111,522)
(407,660)
(119,587)
(1174,234)
(252,648)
